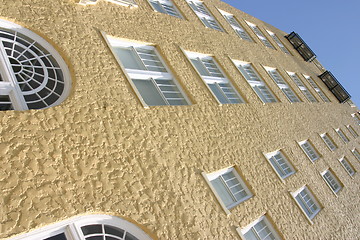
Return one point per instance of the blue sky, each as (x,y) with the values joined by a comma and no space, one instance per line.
(329,27)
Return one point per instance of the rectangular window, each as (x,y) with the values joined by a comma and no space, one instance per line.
(280,164)
(331,180)
(255,81)
(260,35)
(348,167)
(260,229)
(204,15)
(356,153)
(309,150)
(150,77)
(165,6)
(352,131)
(278,42)
(317,89)
(228,187)
(307,202)
(328,141)
(356,118)
(302,87)
(236,26)
(126,3)
(342,135)
(284,87)
(214,78)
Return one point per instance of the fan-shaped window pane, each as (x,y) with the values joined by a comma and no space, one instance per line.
(37,73)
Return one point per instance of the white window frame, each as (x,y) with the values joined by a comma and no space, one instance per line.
(329,142)
(236,26)
(282,84)
(282,168)
(317,88)
(251,226)
(256,82)
(332,181)
(313,198)
(164,4)
(342,135)
(300,84)
(307,152)
(356,153)
(356,118)
(278,42)
(257,31)
(126,3)
(9,86)
(205,16)
(352,131)
(214,175)
(145,74)
(72,228)
(214,79)
(346,164)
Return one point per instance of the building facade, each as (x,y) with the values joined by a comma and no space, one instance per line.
(169,120)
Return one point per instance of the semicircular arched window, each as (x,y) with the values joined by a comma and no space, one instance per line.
(89,227)
(32,73)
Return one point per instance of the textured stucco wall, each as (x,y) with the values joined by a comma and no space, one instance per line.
(100,151)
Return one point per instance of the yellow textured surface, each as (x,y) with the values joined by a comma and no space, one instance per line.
(100,151)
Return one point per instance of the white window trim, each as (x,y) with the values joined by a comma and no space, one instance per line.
(330,139)
(356,118)
(126,3)
(272,154)
(71,228)
(282,86)
(140,74)
(342,135)
(317,89)
(278,42)
(211,79)
(356,156)
(302,88)
(320,207)
(210,176)
(352,131)
(205,16)
(9,86)
(169,3)
(242,231)
(313,148)
(261,37)
(236,28)
(254,84)
(336,180)
(345,159)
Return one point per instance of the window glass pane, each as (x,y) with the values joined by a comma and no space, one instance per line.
(91,229)
(200,67)
(149,92)
(114,231)
(302,204)
(128,58)
(222,191)
(60,236)
(156,5)
(250,235)
(129,236)
(218,93)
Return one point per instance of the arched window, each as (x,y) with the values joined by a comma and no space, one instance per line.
(90,227)
(32,74)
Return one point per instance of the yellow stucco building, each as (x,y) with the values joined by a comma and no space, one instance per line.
(169,119)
